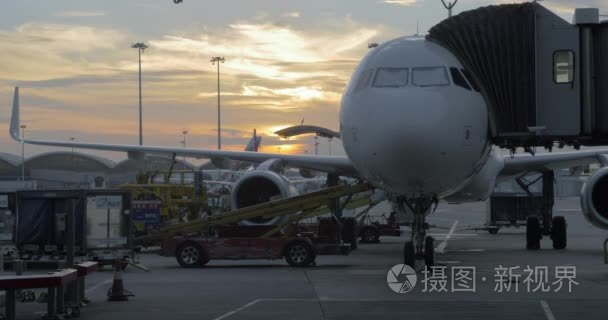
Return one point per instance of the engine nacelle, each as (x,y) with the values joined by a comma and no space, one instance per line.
(594,199)
(260,186)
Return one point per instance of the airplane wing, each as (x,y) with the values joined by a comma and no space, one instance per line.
(330,164)
(519,164)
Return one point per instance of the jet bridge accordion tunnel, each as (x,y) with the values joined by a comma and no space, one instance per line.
(545,80)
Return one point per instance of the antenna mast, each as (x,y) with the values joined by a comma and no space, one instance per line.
(449,6)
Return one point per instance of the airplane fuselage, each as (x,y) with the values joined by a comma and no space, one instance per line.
(412,122)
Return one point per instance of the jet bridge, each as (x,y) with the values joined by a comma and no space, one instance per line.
(545,80)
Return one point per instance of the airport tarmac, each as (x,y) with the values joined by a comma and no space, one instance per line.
(355,287)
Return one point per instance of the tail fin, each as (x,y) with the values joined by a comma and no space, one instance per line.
(15,122)
(254,143)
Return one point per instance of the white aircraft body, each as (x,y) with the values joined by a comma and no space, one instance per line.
(414,125)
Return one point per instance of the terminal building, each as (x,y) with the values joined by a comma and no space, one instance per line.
(76,170)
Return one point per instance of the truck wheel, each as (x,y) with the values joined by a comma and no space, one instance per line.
(299,254)
(369,235)
(533,234)
(493,230)
(558,233)
(429,252)
(409,256)
(190,255)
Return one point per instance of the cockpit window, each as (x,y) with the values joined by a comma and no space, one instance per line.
(364,80)
(391,77)
(430,76)
(469,77)
(359,81)
(458,79)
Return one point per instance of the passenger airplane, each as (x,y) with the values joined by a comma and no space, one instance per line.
(412,124)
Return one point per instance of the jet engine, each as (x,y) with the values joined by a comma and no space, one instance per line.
(260,186)
(594,199)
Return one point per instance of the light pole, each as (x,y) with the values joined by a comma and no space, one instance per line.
(185,132)
(218,60)
(73,157)
(140,48)
(22,152)
(72,140)
(316,145)
(449,6)
(329,145)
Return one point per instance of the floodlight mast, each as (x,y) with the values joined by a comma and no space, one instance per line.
(218,61)
(140,48)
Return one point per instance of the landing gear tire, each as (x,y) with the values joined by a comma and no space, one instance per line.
(533,234)
(299,254)
(429,252)
(409,254)
(191,255)
(493,230)
(369,235)
(558,233)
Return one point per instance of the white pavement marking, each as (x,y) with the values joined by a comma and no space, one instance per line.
(466,250)
(228,314)
(441,247)
(543,303)
(575,210)
(97,286)
(241,308)
(547,310)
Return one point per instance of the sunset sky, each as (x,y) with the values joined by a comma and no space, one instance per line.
(286,61)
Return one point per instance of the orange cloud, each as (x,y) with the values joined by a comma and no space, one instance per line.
(81,81)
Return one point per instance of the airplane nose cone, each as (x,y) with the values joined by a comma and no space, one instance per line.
(415,145)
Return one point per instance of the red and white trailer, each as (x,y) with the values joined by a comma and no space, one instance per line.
(240,243)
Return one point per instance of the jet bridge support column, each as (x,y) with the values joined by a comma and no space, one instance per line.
(588,110)
(548,201)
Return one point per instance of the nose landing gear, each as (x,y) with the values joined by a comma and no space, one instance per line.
(420,251)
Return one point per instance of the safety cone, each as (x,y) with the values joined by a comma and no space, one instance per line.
(118,292)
